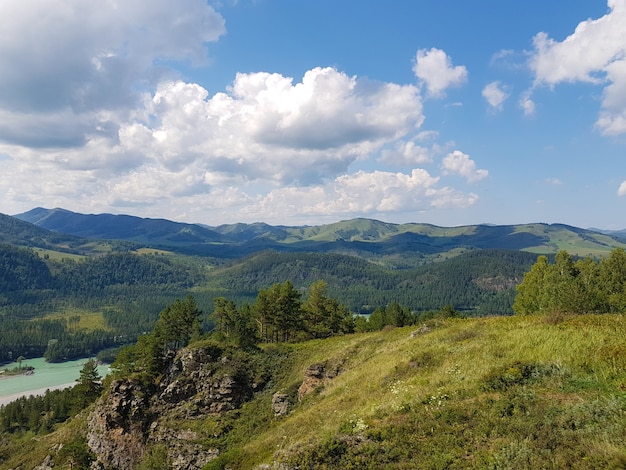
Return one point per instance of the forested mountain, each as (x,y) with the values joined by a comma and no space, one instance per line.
(42,301)
(413,242)
(479,282)
(50,281)
(17,232)
(119,227)
(240,384)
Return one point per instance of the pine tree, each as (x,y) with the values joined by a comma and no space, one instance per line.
(89,384)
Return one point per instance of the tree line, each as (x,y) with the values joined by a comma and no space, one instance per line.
(574,286)
(479,282)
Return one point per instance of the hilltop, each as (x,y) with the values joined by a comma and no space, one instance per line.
(371,239)
(500,392)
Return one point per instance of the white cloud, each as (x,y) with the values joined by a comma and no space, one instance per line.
(554,181)
(594,53)
(527,104)
(269,128)
(67,57)
(496,95)
(434,69)
(406,154)
(93,116)
(459,163)
(622,189)
(365,194)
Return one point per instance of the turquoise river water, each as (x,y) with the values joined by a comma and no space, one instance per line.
(47,376)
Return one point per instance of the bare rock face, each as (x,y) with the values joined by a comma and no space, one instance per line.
(280,404)
(129,419)
(200,381)
(316,375)
(118,424)
(47,464)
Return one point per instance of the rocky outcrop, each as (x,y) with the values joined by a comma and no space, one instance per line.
(280,404)
(47,464)
(204,383)
(118,425)
(316,375)
(130,419)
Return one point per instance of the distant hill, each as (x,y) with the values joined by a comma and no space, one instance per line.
(410,243)
(617,234)
(120,227)
(14,231)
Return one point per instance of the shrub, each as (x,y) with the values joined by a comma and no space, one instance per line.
(519,373)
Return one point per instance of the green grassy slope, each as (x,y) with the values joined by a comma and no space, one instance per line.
(514,392)
(498,392)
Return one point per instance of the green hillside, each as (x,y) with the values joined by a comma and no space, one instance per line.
(479,282)
(398,245)
(500,392)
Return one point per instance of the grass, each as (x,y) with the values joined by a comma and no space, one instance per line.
(400,390)
(89,320)
(57,255)
(485,393)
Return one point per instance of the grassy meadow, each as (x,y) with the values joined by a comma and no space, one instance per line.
(505,392)
(519,392)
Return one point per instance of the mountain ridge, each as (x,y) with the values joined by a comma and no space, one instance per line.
(366,237)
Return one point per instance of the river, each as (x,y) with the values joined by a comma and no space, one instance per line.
(47,376)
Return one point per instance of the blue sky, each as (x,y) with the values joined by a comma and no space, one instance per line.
(308,112)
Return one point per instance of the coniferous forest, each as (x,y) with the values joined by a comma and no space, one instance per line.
(265,317)
(127,290)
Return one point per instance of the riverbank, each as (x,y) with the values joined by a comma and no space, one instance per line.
(46,376)
(7,373)
(4,399)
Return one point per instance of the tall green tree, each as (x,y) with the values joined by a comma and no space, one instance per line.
(89,384)
(613,280)
(278,312)
(178,324)
(531,292)
(324,316)
(583,286)
(225,314)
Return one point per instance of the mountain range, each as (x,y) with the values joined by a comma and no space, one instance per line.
(364,237)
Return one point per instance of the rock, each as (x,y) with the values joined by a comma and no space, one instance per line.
(420,331)
(130,418)
(280,404)
(118,424)
(47,464)
(316,375)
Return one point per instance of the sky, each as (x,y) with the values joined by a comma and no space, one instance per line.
(299,112)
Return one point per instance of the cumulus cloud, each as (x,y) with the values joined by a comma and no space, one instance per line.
(434,69)
(461,164)
(269,128)
(93,117)
(496,95)
(67,57)
(265,130)
(406,154)
(594,53)
(622,189)
(366,193)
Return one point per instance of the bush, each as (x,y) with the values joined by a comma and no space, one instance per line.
(519,373)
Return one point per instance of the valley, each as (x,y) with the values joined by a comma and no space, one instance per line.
(398,346)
